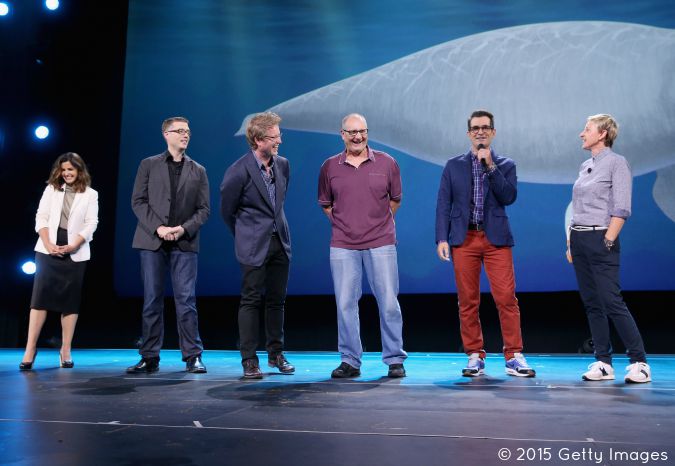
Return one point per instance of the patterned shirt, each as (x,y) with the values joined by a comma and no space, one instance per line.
(268,179)
(477,198)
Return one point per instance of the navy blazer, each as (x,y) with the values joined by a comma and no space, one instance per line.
(151,201)
(454,200)
(247,209)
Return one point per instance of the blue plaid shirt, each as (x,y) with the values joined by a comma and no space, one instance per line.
(477,199)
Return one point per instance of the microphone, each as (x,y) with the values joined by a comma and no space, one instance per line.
(482,161)
(589,170)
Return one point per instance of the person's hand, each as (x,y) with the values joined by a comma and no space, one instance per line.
(54,250)
(178,232)
(174,233)
(568,254)
(443,251)
(485,154)
(163,232)
(68,248)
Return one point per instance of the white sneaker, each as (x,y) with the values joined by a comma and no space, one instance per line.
(475,367)
(599,371)
(638,372)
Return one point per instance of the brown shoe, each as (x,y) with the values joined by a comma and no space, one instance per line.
(251,369)
(280,362)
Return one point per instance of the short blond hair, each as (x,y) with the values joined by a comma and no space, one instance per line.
(605,122)
(259,125)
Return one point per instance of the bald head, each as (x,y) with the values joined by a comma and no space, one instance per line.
(354,116)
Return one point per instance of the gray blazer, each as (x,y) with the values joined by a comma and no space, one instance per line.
(247,209)
(151,201)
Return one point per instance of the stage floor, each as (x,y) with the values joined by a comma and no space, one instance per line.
(96,414)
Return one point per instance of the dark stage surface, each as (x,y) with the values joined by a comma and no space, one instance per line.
(96,414)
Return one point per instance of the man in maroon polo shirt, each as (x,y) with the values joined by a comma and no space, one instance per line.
(360,192)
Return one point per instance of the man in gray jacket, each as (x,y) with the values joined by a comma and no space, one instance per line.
(171,202)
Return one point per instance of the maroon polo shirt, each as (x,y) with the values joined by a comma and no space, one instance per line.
(361,217)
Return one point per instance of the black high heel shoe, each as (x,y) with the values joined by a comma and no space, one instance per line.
(27,366)
(66,364)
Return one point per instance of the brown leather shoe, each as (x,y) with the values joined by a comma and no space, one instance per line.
(251,369)
(280,362)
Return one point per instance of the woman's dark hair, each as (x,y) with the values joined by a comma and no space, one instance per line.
(83,177)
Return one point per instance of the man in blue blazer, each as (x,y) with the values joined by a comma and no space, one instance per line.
(171,202)
(472,228)
(252,198)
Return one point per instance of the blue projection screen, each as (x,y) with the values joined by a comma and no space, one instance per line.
(416,70)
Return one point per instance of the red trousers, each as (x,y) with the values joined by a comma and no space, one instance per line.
(498,261)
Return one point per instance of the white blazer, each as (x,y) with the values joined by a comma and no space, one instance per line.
(82,220)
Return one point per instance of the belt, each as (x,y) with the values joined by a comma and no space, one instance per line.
(476,226)
(587,228)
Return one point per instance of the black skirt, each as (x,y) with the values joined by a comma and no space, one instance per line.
(58,281)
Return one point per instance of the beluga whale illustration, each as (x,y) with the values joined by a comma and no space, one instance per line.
(540,81)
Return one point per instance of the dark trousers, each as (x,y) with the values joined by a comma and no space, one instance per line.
(597,271)
(265,284)
(182,267)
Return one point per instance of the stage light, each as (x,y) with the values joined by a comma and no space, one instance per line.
(52,4)
(41,132)
(4,9)
(28,267)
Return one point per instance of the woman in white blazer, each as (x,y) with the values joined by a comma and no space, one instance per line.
(65,221)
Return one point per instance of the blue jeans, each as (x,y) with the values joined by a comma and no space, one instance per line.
(382,271)
(183,269)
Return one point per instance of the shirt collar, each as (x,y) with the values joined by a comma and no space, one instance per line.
(261,165)
(342,158)
(601,155)
(169,158)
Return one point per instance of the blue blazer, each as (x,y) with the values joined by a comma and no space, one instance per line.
(247,210)
(454,200)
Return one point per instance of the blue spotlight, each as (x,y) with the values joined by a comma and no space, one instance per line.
(52,4)
(28,267)
(41,132)
(4,9)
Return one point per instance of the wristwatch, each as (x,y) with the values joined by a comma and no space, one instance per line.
(608,243)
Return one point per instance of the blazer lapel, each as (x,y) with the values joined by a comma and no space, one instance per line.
(486,183)
(256,176)
(468,175)
(76,200)
(280,184)
(164,171)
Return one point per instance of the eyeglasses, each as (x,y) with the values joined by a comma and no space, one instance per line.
(181,131)
(273,138)
(476,129)
(354,132)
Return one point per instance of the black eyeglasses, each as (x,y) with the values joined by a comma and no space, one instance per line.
(476,129)
(181,131)
(354,132)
